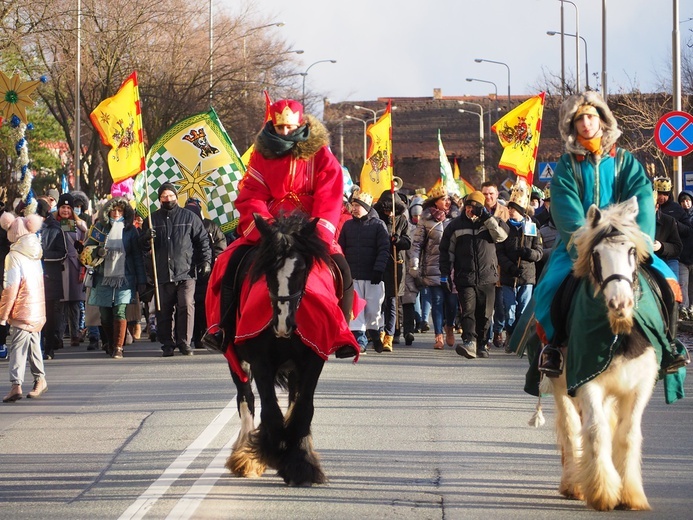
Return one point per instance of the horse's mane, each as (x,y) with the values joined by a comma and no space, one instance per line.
(614,220)
(288,234)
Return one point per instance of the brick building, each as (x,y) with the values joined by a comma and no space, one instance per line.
(415,125)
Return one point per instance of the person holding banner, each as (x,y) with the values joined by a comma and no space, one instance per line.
(291,169)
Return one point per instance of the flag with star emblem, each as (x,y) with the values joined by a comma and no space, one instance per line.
(197,156)
(118,120)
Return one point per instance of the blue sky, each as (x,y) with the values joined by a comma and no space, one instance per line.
(407,48)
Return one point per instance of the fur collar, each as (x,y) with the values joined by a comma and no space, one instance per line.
(319,137)
(565,122)
(128,214)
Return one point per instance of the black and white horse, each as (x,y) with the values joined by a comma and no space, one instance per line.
(277,357)
(599,429)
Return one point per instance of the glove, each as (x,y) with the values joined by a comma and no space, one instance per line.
(79,247)
(394,239)
(141,288)
(204,270)
(152,233)
(101,252)
(485,215)
(376,277)
(526,253)
(514,256)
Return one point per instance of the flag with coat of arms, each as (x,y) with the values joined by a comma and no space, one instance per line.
(197,156)
(376,174)
(518,132)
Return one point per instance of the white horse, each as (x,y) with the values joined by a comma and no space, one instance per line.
(599,430)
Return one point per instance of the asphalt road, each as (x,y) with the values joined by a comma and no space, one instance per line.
(415,434)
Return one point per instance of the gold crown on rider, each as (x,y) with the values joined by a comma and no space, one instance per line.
(586,110)
(662,184)
(437,192)
(286,112)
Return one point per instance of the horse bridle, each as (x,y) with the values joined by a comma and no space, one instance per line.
(287,299)
(596,271)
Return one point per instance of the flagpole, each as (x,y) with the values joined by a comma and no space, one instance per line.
(151,243)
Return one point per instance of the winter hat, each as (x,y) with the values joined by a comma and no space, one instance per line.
(685,195)
(503,197)
(43,208)
(66,200)
(416,206)
(167,186)
(475,197)
(193,206)
(53,193)
(362,198)
(17,227)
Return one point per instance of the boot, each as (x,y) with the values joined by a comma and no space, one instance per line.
(40,386)
(14,395)
(119,328)
(449,335)
(377,342)
(551,361)
(498,339)
(439,345)
(387,343)
(136,330)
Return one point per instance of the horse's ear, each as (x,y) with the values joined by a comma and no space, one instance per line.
(631,208)
(594,215)
(262,226)
(310,226)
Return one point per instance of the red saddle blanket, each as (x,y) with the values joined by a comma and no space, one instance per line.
(320,322)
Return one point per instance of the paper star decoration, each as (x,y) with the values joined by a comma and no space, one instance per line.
(14,96)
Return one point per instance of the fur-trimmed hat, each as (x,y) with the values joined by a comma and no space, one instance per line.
(286,112)
(475,197)
(166,186)
(416,206)
(567,114)
(17,227)
(362,198)
(80,199)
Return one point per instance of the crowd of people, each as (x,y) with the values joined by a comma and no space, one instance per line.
(463,265)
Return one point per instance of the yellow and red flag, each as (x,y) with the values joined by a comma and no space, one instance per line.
(518,132)
(118,120)
(376,174)
(465,186)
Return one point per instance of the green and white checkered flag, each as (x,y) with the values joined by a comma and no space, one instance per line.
(197,156)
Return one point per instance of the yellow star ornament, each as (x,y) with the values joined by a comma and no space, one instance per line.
(14,96)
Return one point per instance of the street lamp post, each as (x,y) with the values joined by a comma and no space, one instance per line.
(577,43)
(495,102)
(304,74)
(365,135)
(481,135)
(587,66)
(604,91)
(480,60)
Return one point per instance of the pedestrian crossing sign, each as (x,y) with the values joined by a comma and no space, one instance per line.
(546,170)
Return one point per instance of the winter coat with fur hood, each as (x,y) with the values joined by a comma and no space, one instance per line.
(400,235)
(106,296)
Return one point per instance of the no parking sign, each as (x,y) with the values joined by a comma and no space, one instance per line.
(674,133)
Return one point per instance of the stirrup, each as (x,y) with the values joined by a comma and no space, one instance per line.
(680,360)
(214,342)
(551,361)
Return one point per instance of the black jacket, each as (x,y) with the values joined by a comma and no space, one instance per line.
(667,234)
(400,236)
(54,254)
(683,221)
(470,249)
(518,256)
(181,244)
(365,244)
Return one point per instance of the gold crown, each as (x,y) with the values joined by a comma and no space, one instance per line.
(287,117)
(662,184)
(437,191)
(547,192)
(363,196)
(520,193)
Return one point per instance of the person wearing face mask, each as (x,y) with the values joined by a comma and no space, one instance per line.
(182,252)
(121,272)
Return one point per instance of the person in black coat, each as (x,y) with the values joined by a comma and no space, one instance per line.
(686,259)
(667,244)
(365,243)
(54,255)
(399,243)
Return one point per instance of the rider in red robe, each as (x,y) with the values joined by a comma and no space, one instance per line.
(291,169)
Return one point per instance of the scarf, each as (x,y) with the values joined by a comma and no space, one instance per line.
(114,264)
(437,214)
(593,145)
(282,144)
